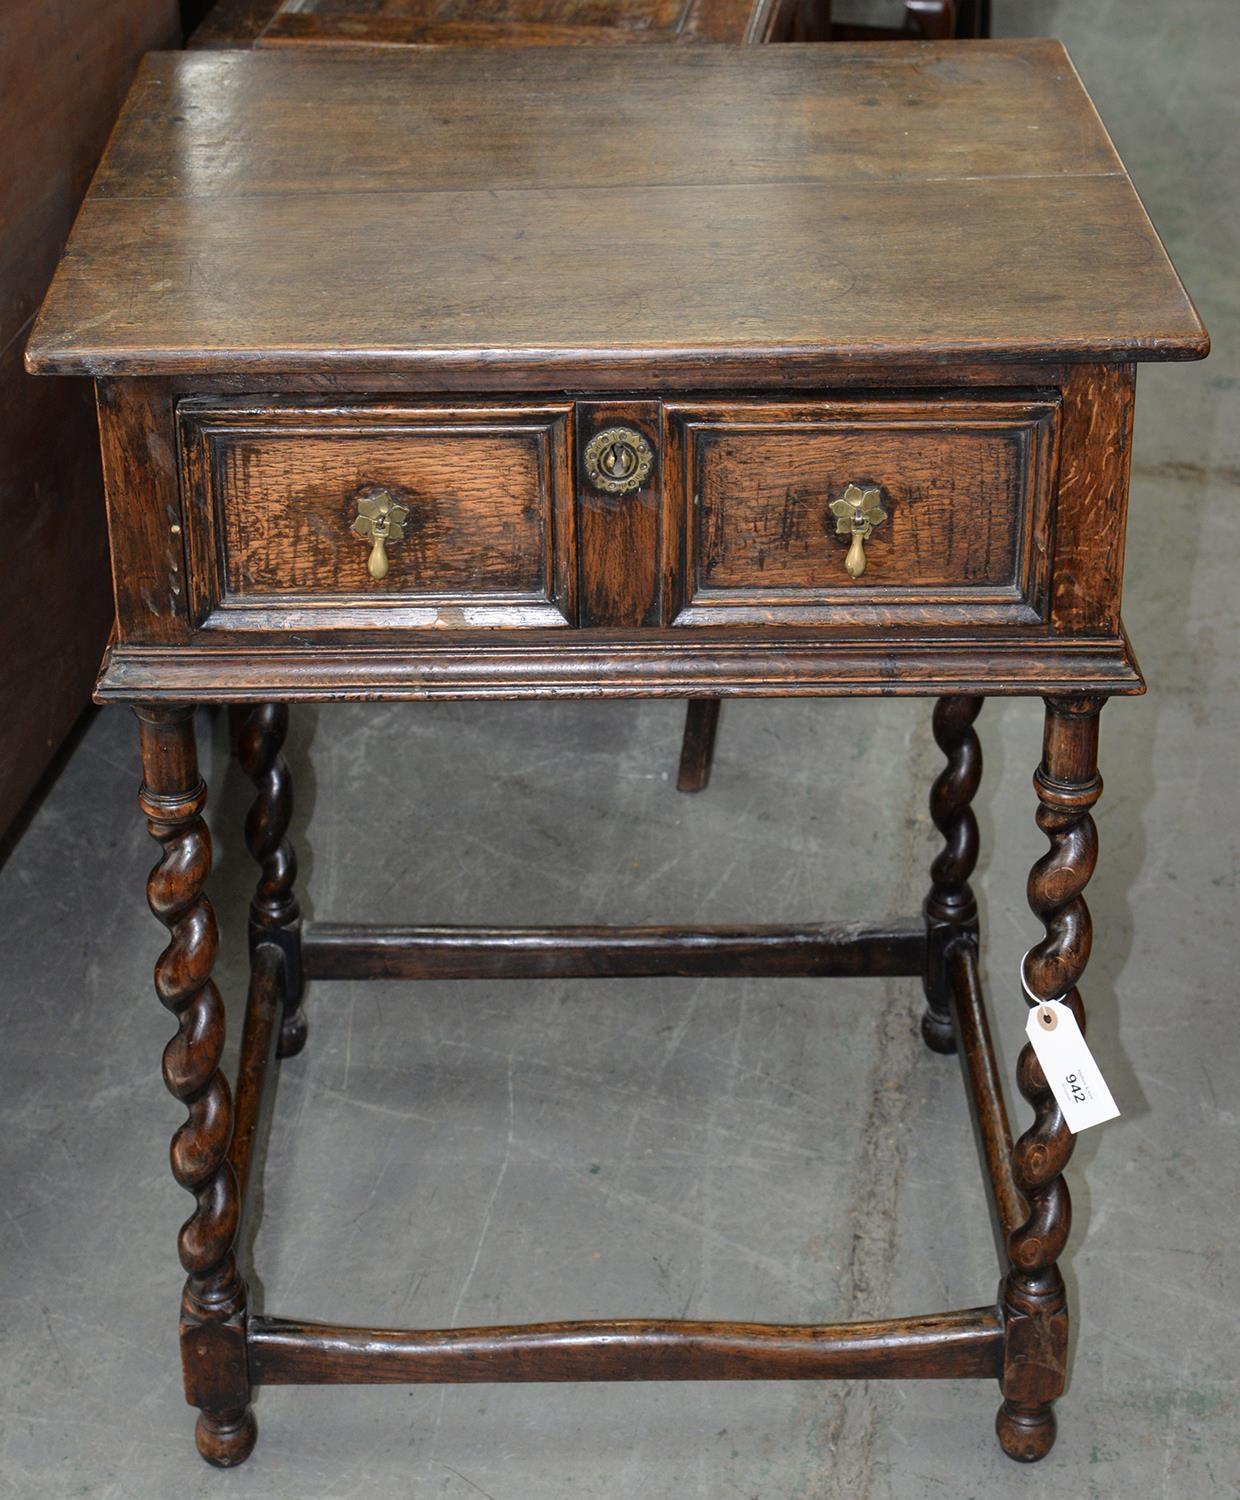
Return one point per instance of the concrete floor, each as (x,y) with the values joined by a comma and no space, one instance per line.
(467,1154)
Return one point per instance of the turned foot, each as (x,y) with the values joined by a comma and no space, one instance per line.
(1026,1433)
(937,1031)
(226,1439)
(293,1033)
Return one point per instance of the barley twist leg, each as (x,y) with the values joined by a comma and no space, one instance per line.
(213,1303)
(1035,1306)
(275,916)
(950,909)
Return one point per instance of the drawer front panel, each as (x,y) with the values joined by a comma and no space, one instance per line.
(476,508)
(958,491)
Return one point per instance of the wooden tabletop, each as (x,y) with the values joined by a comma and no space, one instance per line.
(585,212)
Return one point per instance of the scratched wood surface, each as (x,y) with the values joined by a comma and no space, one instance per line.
(403,23)
(1093,499)
(477,210)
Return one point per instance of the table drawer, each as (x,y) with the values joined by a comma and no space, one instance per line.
(318,516)
(952,498)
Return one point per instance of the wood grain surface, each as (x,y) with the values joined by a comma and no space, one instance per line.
(965,484)
(1093,498)
(274,493)
(620,536)
(146,521)
(473,211)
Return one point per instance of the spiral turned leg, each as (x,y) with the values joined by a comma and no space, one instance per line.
(1035,1307)
(213,1304)
(275,916)
(950,909)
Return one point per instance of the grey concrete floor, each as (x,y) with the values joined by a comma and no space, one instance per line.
(779,1151)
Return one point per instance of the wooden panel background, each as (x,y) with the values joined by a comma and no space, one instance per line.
(64,69)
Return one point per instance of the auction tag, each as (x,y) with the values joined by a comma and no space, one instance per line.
(1079,1088)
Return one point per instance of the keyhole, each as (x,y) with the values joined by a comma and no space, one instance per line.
(619,461)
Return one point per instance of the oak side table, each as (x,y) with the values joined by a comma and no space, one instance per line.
(493,374)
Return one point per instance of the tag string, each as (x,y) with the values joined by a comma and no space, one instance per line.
(1044,1015)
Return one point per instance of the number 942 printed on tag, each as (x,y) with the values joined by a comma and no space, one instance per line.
(1074,1078)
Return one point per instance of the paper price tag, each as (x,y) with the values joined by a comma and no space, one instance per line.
(1079,1088)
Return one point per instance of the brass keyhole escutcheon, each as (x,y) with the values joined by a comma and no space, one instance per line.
(857,513)
(382,519)
(618,460)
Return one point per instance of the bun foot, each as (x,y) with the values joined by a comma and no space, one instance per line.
(293,1033)
(228,1439)
(937,1031)
(1026,1434)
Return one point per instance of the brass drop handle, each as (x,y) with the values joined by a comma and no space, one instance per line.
(856,514)
(382,519)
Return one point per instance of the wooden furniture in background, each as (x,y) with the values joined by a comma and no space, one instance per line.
(64,70)
(371,464)
(455,23)
(929,20)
